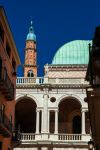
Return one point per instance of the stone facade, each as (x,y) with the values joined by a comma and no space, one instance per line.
(50,111)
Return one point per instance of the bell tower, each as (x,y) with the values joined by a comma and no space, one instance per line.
(30,66)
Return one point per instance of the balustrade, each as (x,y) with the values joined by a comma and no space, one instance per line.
(70,137)
(59,137)
(27,136)
(41,80)
(29,80)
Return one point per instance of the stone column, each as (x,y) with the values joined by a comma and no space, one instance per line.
(48,120)
(56,121)
(45,114)
(42,121)
(83,121)
(37,121)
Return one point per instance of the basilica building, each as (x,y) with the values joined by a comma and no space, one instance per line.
(51,112)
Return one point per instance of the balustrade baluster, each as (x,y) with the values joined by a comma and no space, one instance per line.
(22,80)
(70,137)
(25,80)
(23,137)
(19,80)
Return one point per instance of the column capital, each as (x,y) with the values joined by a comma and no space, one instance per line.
(56,110)
(46,95)
(37,110)
(84,109)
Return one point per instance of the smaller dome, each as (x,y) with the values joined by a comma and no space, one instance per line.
(31,35)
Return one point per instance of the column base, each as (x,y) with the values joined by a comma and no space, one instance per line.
(53,137)
(45,136)
(37,136)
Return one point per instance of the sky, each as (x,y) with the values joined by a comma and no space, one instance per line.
(55,22)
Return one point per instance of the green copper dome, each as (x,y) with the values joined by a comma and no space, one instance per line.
(31,35)
(74,52)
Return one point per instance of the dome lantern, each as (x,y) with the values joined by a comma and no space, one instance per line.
(31,35)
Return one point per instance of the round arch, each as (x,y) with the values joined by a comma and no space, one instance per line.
(69,107)
(25,115)
(20,97)
(70,96)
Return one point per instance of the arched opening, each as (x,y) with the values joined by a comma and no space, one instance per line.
(77,125)
(30,73)
(52,122)
(68,109)
(25,115)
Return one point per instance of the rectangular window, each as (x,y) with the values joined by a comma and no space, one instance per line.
(1,33)
(8,50)
(0,145)
(14,64)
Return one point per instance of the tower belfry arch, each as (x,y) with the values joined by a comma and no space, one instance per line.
(25,115)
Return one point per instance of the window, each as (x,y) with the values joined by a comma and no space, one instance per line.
(14,64)
(1,33)
(30,73)
(8,50)
(0,145)
(52,99)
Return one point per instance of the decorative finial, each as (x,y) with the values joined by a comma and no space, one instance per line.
(31,21)
(31,26)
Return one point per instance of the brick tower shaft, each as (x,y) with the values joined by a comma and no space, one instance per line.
(30,66)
